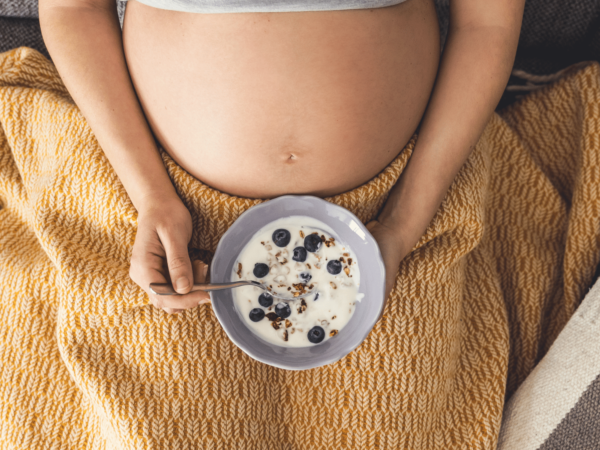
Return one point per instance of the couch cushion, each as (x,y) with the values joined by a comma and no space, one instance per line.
(558,405)
(19,8)
(18,32)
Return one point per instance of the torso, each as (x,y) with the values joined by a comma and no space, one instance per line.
(265,104)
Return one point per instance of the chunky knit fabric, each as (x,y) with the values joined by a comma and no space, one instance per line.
(86,363)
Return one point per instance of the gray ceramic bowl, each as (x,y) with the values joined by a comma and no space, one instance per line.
(349,230)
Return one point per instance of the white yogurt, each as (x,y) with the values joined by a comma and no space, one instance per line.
(333,296)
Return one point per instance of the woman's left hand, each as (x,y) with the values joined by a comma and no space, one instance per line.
(393,250)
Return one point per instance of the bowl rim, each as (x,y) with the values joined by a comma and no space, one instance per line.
(379,261)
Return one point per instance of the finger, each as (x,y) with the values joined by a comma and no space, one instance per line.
(201,276)
(186,301)
(173,311)
(147,260)
(178,261)
(148,265)
(200,271)
(176,303)
(371,225)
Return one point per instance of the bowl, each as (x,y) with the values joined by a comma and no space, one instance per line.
(348,229)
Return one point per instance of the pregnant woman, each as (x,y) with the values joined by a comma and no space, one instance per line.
(259,98)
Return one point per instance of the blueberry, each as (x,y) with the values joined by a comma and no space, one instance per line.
(281,237)
(334,267)
(260,270)
(316,334)
(299,254)
(283,310)
(257,314)
(265,299)
(305,276)
(316,297)
(312,243)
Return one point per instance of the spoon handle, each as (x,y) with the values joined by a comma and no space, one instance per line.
(167,288)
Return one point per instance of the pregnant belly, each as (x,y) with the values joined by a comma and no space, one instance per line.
(264,104)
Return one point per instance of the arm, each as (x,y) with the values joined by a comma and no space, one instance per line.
(474,70)
(84,39)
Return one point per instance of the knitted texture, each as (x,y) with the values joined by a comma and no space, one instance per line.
(85,362)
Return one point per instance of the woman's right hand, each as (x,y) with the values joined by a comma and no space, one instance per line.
(160,255)
(85,41)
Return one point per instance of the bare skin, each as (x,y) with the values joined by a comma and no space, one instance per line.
(311,106)
(264,104)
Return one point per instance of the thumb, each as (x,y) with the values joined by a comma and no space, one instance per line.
(178,262)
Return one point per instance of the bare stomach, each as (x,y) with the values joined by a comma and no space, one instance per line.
(265,104)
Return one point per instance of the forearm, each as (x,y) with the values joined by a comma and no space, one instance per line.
(86,47)
(473,73)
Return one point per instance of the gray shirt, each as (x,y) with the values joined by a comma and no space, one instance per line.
(238,6)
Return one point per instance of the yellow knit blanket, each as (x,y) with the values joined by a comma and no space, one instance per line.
(499,271)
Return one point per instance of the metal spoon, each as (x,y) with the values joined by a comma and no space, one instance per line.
(167,288)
